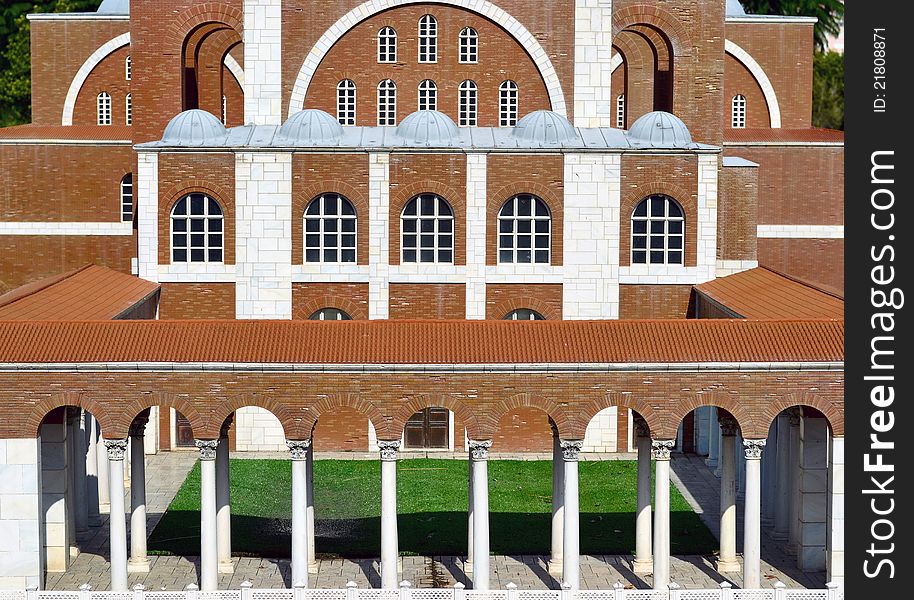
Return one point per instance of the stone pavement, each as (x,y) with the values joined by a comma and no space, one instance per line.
(166,471)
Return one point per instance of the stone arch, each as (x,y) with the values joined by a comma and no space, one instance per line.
(287,416)
(83,72)
(163,400)
(416,403)
(358,313)
(771,98)
(311,415)
(564,422)
(589,410)
(833,413)
(722,399)
(508,306)
(76,399)
(372,7)
(234,68)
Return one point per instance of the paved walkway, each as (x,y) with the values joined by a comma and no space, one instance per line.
(166,471)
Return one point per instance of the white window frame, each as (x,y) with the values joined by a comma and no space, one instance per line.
(128,109)
(438,217)
(128,68)
(387,45)
(428,39)
(508,102)
(187,217)
(428,95)
(666,235)
(346,94)
(509,214)
(469,46)
(126,189)
(738,112)
(103,103)
(387,103)
(323,218)
(468,104)
(620,111)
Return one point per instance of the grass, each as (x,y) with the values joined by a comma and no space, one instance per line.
(432,505)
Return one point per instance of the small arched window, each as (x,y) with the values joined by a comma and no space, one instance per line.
(658,231)
(428,39)
(524,231)
(524,314)
(428,95)
(127,198)
(330,314)
(387,45)
(738,112)
(427,230)
(469,46)
(196,230)
(345,102)
(104,108)
(128,68)
(620,111)
(507,104)
(128,109)
(330,230)
(469,99)
(387,103)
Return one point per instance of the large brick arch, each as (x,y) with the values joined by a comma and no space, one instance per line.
(588,411)
(506,307)
(76,399)
(288,416)
(730,401)
(419,402)
(833,413)
(190,19)
(383,424)
(659,19)
(106,49)
(564,422)
(358,313)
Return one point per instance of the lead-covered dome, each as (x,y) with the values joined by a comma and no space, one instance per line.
(311,126)
(544,127)
(114,7)
(194,128)
(660,129)
(428,127)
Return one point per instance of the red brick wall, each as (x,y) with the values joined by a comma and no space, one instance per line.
(654,301)
(818,261)
(108,76)
(197,301)
(307,298)
(502,299)
(342,429)
(523,430)
(737,214)
(234,100)
(427,301)
(738,80)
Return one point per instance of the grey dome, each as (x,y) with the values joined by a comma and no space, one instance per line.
(660,129)
(114,7)
(735,9)
(309,126)
(428,127)
(544,127)
(194,128)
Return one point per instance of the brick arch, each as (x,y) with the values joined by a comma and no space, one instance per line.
(331,186)
(406,193)
(663,21)
(163,400)
(722,399)
(833,413)
(358,313)
(190,19)
(586,413)
(311,415)
(689,203)
(77,399)
(414,404)
(194,186)
(287,416)
(659,42)
(554,202)
(508,306)
(564,422)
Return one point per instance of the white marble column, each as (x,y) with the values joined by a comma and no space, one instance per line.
(713,439)
(558,505)
(644,561)
(769,480)
(468,565)
(209,553)
(79,467)
(727,563)
(92,471)
(389,541)
(661,452)
(782,480)
(299,453)
(479,466)
(309,462)
(104,503)
(139,562)
(224,502)
(752,514)
(117,524)
(571,544)
(793,525)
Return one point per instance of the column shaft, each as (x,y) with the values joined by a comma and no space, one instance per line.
(91,483)
(468,566)
(209,554)
(139,563)
(558,506)
(104,504)
(479,452)
(79,467)
(752,527)
(727,562)
(223,507)
(661,452)
(117,523)
(299,512)
(644,561)
(309,480)
(389,542)
(571,545)
(793,514)
(782,476)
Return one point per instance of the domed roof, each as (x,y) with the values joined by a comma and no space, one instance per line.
(660,129)
(735,9)
(114,7)
(194,128)
(311,125)
(545,127)
(428,127)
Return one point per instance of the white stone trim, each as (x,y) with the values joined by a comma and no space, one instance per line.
(477,200)
(616,62)
(62,142)
(782,19)
(22,554)
(263,62)
(732,267)
(801,231)
(593,60)
(76,17)
(196,273)
(69,228)
(771,98)
(378,235)
(82,74)
(146,199)
(330,273)
(785,143)
(427,273)
(666,274)
(235,69)
(530,274)
(707,213)
(482,7)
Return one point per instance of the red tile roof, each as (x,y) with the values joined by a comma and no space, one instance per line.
(422,342)
(810,135)
(764,294)
(88,294)
(62,132)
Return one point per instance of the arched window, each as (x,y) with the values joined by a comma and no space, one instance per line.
(507,104)
(524,231)
(330,230)
(427,230)
(524,314)
(469,97)
(738,112)
(345,102)
(387,45)
(428,95)
(428,39)
(127,198)
(330,314)
(128,109)
(387,103)
(620,111)
(658,226)
(196,230)
(104,108)
(469,46)
(128,68)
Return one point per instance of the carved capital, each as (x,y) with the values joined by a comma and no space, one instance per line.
(116,449)
(298,449)
(753,448)
(207,448)
(660,449)
(728,426)
(223,431)
(571,449)
(388,449)
(479,449)
(641,428)
(138,427)
(794,415)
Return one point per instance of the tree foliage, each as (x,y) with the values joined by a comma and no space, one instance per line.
(829,12)
(828,90)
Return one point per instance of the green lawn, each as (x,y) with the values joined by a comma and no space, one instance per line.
(432,504)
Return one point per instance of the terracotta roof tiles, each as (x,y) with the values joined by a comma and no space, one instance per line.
(810,135)
(70,132)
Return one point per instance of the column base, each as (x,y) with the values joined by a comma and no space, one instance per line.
(728,566)
(226,566)
(468,567)
(313,567)
(555,567)
(138,565)
(643,566)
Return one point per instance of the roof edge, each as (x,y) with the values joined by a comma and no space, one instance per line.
(34,287)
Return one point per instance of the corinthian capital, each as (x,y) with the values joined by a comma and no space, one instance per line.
(207,448)
(388,449)
(116,449)
(479,449)
(753,448)
(660,449)
(571,449)
(298,448)
(728,426)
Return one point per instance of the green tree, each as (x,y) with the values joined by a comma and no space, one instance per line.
(829,12)
(828,90)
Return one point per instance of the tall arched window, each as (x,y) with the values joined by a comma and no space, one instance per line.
(330,314)
(469,46)
(224,110)
(128,68)
(104,108)
(330,230)
(524,314)
(658,231)
(469,98)
(738,112)
(524,231)
(345,102)
(387,103)
(507,104)
(196,230)
(127,198)
(620,111)
(428,39)
(428,95)
(387,45)
(128,109)
(427,230)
